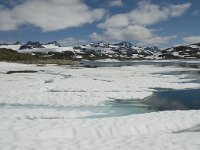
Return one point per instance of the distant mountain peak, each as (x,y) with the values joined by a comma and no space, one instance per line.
(124,44)
(153,48)
(182,51)
(31,45)
(54,43)
(17,43)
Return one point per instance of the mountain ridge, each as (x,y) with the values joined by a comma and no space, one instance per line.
(116,50)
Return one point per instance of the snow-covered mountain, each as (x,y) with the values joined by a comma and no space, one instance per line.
(151,50)
(13,46)
(107,50)
(183,51)
(123,49)
(53,44)
(32,45)
(100,49)
(29,45)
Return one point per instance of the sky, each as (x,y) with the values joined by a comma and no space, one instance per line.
(164,23)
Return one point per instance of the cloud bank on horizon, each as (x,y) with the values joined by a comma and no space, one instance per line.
(142,22)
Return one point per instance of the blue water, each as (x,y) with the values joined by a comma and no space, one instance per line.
(95,64)
(168,99)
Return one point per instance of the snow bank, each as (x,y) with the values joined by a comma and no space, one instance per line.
(163,130)
(107,60)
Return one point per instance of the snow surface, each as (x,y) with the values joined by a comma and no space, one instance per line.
(52,131)
(48,48)
(25,127)
(107,60)
(194,46)
(85,86)
(176,54)
(13,47)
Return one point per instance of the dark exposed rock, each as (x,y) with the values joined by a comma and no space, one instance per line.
(25,47)
(21,71)
(31,45)
(17,43)
(34,44)
(152,49)
(124,44)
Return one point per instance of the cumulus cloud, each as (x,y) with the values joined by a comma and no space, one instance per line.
(49,15)
(98,37)
(192,39)
(134,32)
(134,24)
(143,36)
(130,32)
(156,40)
(115,3)
(146,13)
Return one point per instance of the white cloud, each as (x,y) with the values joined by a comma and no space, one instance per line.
(119,20)
(140,34)
(71,41)
(7,22)
(134,24)
(192,39)
(156,40)
(115,3)
(49,15)
(177,10)
(98,37)
(196,13)
(145,13)
(134,32)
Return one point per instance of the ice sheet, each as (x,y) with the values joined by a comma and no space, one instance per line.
(62,85)
(24,128)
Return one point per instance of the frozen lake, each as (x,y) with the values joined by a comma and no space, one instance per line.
(95,105)
(159,99)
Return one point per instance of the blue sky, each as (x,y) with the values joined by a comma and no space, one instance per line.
(142,22)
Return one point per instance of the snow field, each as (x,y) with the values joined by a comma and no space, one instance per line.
(31,119)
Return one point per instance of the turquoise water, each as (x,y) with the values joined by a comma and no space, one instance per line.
(118,108)
(114,108)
